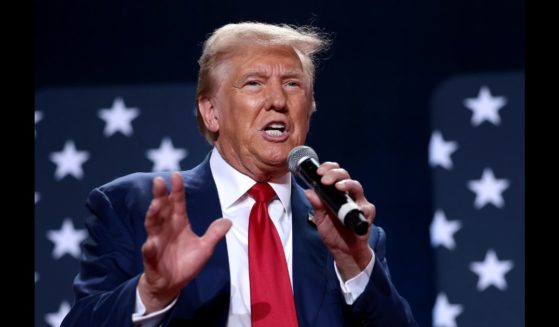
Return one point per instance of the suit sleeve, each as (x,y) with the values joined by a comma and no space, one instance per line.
(380,304)
(109,268)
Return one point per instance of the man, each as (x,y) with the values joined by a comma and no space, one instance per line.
(279,257)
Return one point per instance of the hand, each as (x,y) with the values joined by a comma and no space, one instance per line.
(173,253)
(351,252)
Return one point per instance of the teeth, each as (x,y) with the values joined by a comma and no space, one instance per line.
(277,125)
(273,132)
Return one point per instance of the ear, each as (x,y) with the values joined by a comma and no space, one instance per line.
(312,109)
(209,114)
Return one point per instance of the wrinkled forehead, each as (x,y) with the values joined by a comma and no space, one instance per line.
(255,57)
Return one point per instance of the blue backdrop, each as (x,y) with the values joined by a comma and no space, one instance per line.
(418,100)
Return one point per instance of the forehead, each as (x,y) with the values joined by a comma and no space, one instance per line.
(263,59)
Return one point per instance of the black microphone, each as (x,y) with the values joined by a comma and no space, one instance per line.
(303,162)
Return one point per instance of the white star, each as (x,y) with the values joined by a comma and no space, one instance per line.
(118,118)
(488,189)
(166,157)
(37,197)
(69,161)
(440,151)
(55,319)
(67,239)
(442,230)
(485,107)
(38,118)
(491,271)
(444,313)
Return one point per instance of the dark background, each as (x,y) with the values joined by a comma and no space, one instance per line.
(373,87)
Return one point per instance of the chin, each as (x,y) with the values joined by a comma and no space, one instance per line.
(276,156)
(277,160)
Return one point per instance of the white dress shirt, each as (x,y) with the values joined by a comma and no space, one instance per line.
(232,187)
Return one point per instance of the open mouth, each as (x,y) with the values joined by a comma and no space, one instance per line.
(275,129)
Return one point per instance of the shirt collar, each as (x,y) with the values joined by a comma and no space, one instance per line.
(232,184)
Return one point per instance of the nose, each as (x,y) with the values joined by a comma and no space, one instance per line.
(277,99)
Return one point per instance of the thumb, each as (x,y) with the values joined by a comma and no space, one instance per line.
(216,231)
(314,199)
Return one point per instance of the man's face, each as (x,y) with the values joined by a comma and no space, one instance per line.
(262,107)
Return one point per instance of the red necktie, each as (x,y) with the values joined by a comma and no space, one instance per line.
(271,298)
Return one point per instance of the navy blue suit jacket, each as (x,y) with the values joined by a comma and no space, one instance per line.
(111,264)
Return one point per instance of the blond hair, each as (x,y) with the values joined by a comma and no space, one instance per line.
(306,42)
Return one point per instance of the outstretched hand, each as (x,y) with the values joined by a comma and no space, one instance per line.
(173,253)
(351,252)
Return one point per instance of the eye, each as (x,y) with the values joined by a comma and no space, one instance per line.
(252,83)
(293,83)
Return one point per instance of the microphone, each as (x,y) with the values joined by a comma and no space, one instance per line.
(303,162)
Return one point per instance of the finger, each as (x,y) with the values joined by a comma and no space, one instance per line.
(216,231)
(161,198)
(369,210)
(166,211)
(152,215)
(149,250)
(158,212)
(355,190)
(353,187)
(159,209)
(334,175)
(314,199)
(325,166)
(178,195)
(159,189)
(319,206)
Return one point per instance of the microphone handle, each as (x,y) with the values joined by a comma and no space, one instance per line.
(352,218)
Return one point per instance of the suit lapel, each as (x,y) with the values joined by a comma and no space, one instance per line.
(309,261)
(212,285)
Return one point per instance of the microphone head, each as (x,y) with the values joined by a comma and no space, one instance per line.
(297,154)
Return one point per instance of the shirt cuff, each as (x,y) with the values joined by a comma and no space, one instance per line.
(151,320)
(352,288)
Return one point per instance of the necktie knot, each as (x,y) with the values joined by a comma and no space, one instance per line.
(262,192)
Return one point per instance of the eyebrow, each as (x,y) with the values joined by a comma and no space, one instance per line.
(261,72)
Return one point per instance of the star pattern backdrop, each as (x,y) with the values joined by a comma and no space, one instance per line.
(476,153)
(85,137)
